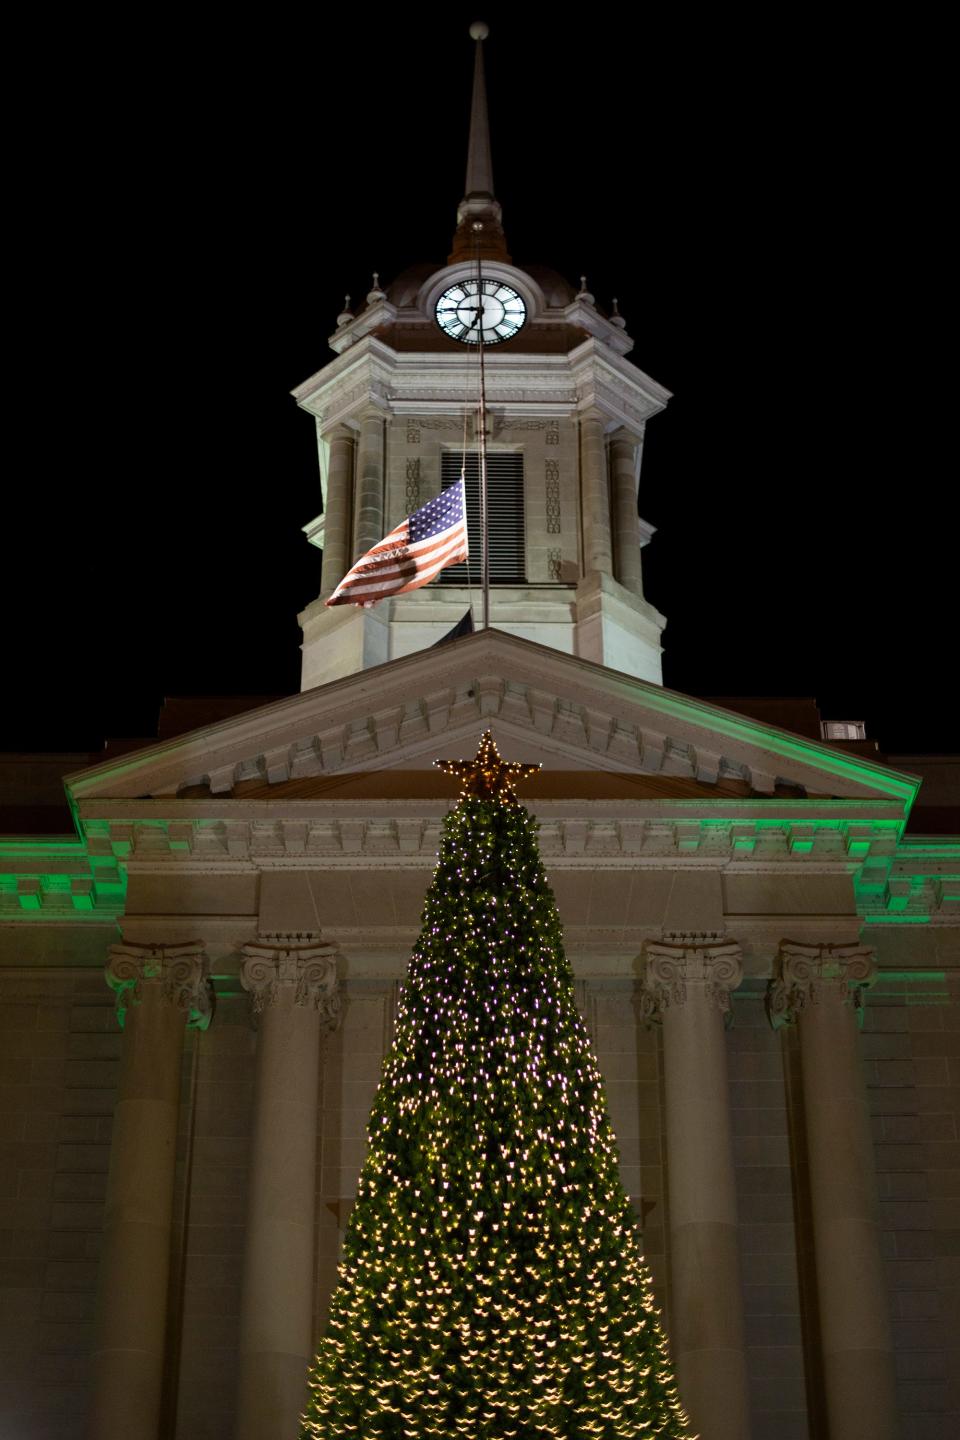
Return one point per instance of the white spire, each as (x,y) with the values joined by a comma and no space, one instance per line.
(479,160)
(479,228)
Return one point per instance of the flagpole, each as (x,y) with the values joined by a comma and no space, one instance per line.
(483,438)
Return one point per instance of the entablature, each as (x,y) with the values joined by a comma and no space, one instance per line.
(60,880)
(573,834)
(428,383)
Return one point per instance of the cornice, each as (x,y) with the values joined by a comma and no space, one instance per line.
(403,382)
(563,708)
(898,883)
(59,880)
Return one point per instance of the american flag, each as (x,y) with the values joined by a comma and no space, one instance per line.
(411,555)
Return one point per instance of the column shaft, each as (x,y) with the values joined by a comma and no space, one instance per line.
(855,1333)
(276,1316)
(369,523)
(689,986)
(338,508)
(623,449)
(595,492)
(129,1355)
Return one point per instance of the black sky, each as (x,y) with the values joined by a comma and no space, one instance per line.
(767,199)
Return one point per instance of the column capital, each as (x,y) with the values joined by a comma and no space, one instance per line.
(340,430)
(301,961)
(624,435)
(179,974)
(376,407)
(807,975)
(702,961)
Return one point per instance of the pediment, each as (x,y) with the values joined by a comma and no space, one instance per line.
(573,716)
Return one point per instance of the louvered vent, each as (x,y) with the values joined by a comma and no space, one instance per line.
(504,514)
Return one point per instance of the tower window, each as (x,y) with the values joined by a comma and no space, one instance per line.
(843,729)
(505,519)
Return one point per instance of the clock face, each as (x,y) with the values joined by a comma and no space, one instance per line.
(463,312)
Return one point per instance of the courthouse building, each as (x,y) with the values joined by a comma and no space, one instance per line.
(197,985)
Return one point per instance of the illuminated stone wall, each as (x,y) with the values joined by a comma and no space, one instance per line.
(59,1060)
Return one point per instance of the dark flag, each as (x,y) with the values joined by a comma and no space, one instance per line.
(462,627)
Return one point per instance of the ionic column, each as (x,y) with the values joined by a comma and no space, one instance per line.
(337,508)
(296,995)
(623,467)
(687,984)
(596,496)
(821,988)
(369,526)
(160,989)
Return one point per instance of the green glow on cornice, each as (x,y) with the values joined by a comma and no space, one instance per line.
(70,849)
(727,802)
(927,977)
(898,918)
(780,742)
(55,880)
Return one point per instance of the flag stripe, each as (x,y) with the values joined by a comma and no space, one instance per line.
(384,580)
(396,563)
(400,564)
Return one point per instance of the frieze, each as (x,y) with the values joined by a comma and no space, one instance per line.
(414,837)
(508,422)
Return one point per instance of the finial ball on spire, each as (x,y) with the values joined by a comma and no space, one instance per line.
(479,31)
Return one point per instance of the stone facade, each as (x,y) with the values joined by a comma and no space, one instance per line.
(61,1049)
(700,909)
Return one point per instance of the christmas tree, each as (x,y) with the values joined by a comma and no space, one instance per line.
(492,1284)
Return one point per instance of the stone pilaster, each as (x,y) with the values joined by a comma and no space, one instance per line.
(369,508)
(623,470)
(296,995)
(338,508)
(159,989)
(821,988)
(595,495)
(686,985)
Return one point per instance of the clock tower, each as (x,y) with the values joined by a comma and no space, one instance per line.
(397,416)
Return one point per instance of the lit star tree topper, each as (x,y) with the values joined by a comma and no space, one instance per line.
(486,775)
(492,1285)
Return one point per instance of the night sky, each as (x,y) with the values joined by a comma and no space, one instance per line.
(765,198)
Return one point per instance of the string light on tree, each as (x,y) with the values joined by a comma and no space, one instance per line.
(492,1285)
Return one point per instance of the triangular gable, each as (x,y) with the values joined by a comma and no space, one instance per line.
(541,705)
